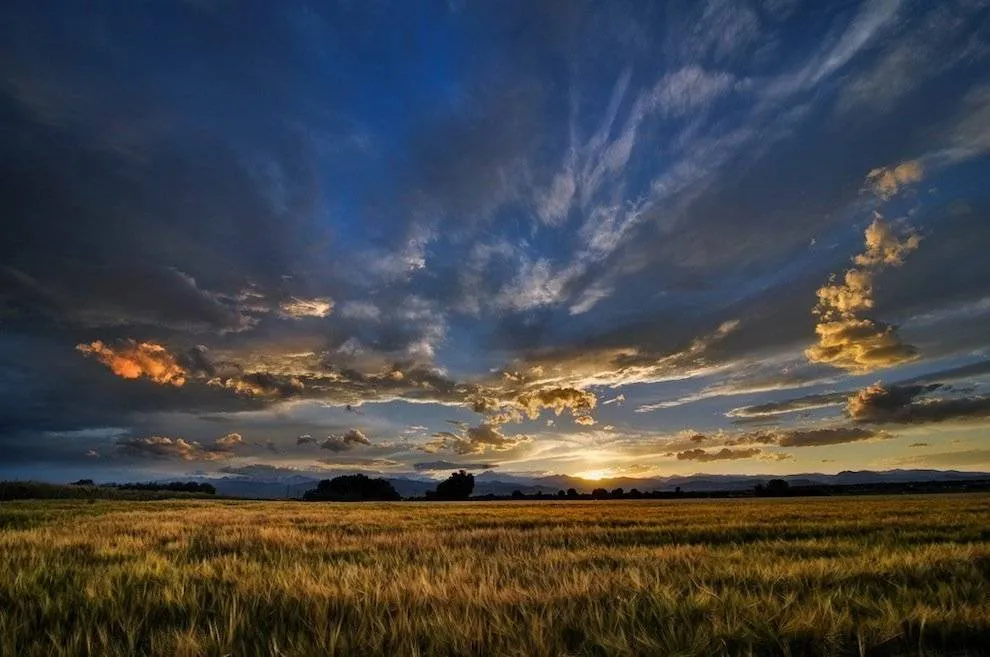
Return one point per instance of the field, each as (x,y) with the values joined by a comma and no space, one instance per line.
(881,575)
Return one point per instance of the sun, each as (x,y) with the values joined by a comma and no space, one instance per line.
(594,475)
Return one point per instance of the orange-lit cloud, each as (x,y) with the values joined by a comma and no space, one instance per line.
(474,440)
(134,360)
(260,384)
(298,308)
(846,337)
(884,247)
(886,181)
(179,448)
(230,441)
(515,404)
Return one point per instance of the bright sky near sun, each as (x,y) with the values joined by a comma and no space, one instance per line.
(595,238)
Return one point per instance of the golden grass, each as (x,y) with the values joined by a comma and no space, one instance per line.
(893,575)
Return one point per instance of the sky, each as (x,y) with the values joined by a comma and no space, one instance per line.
(587,238)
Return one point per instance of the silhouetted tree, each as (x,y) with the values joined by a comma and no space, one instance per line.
(599,494)
(635,494)
(561,493)
(458,486)
(572,493)
(618,493)
(353,488)
(778,488)
(517,495)
(83,482)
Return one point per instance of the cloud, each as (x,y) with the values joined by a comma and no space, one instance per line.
(258,470)
(878,399)
(516,403)
(535,285)
(361,310)
(297,308)
(819,437)
(305,439)
(904,404)
(884,247)
(450,465)
(488,435)
(133,360)
(937,41)
(178,448)
(807,403)
(846,337)
(724,454)
(690,88)
(474,440)
(792,437)
(964,458)
(230,441)
(967,133)
(350,462)
(124,295)
(750,378)
(583,366)
(885,182)
(260,384)
(345,442)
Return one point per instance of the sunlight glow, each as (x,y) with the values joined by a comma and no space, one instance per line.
(594,475)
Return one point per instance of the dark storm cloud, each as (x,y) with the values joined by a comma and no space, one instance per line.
(49,386)
(125,295)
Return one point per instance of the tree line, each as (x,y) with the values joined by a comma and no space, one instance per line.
(359,487)
(86,489)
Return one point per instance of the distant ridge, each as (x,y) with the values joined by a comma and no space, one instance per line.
(294,483)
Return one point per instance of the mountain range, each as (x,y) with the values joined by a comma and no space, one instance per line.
(282,485)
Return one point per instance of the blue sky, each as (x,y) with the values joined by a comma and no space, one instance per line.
(620,238)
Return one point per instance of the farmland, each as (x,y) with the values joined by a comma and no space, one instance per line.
(820,576)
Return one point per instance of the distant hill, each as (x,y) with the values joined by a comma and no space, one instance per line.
(293,485)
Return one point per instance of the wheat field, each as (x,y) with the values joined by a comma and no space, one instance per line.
(833,576)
